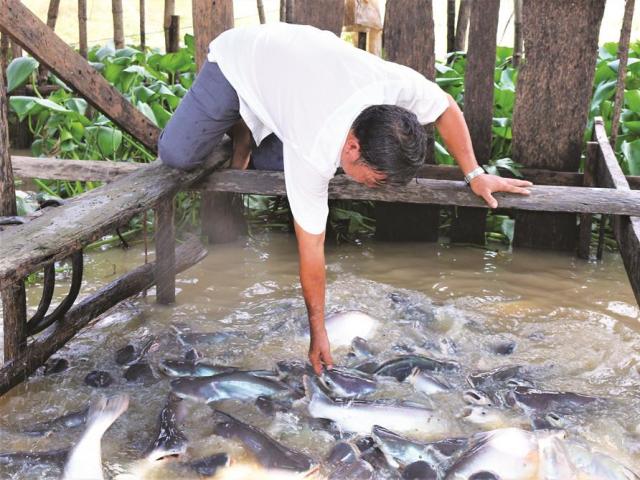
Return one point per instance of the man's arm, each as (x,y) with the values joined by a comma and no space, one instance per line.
(453,130)
(313,281)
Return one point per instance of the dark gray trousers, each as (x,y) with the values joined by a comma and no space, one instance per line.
(208,111)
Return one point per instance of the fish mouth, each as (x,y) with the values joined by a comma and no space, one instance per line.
(466,412)
(162,456)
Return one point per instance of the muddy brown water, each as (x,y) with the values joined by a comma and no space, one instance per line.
(576,323)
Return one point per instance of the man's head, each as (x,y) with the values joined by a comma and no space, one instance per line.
(386,144)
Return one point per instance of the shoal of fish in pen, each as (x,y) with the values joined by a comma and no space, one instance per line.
(501,423)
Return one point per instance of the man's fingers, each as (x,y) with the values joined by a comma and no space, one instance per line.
(491,201)
(316,363)
(515,189)
(520,183)
(328,361)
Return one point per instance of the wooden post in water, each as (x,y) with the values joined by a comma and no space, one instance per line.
(221,212)
(469,223)
(118,23)
(409,40)
(14,303)
(165,240)
(82,27)
(589,180)
(169,11)
(143,32)
(174,34)
(623,56)
(561,43)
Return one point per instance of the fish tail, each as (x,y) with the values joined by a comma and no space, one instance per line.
(104,411)
(312,390)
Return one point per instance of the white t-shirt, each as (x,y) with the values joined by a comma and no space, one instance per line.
(308,86)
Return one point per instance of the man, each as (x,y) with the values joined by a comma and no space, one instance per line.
(313,103)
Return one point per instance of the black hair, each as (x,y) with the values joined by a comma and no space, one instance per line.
(392,141)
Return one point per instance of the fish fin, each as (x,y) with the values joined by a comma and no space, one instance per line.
(104,411)
(312,389)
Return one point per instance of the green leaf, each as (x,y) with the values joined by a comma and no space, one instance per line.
(143,93)
(176,62)
(631,153)
(190,43)
(162,115)
(108,139)
(78,105)
(104,52)
(632,100)
(112,72)
(21,106)
(604,91)
(19,71)
(146,110)
(632,126)
(503,54)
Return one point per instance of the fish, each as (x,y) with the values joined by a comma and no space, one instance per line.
(348,383)
(51,458)
(360,470)
(209,466)
(501,377)
(596,465)
(507,454)
(239,385)
(187,368)
(488,417)
(169,441)
(360,349)
(98,379)
(85,459)
(400,451)
(530,399)
(55,365)
(129,354)
(140,372)
(554,460)
(401,367)
(204,338)
(342,453)
(73,419)
(267,451)
(410,311)
(359,416)
(343,327)
(419,470)
(427,383)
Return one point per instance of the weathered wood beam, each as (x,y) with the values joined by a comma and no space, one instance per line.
(440,192)
(87,217)
(30,32)
(81,315)
(14,300)
(106,171)
(626,229)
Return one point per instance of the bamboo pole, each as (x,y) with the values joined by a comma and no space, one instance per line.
(261,11)
(82,27)
(169,11)
(623,55)
(14,303)
(464,13)
(518,47)
(143,35)
(118,23)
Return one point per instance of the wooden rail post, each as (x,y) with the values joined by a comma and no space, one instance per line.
(589,180)
(220,213)
(14,303)
(469,223)
(118,23)
(561,46)
(82,28)
(174,34)
(143,30)
(409,40)
(169,11)
(165,240)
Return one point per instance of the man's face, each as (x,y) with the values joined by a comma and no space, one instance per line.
(363,173)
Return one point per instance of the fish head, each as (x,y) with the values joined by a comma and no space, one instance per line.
(476,397)
(483,415)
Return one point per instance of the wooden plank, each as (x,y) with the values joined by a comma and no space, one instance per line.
(87,217)
(14,300)
(165,240)
(409,40)
(82,170)
(584,235)
(440,192)
(81,315)
(626,229)
(468,225)
(561,44)
(30,32)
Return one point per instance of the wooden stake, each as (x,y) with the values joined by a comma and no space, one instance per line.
(261,12)
(169,11)
(143,35)
(4,51)
(623,55)
(82,27)
(174,34)
(584,233)
(165,240)
(518,47)
(283,10)
(464,13)
(118,23)
(451,25)
(52,17)
(14,305)
(362,40)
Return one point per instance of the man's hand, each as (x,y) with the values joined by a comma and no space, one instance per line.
(485,185)
(320,351)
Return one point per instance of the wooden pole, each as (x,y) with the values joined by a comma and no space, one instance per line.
(464,14)
(169,11)
(518,47)
(165,240)
(283,10)
(82,27)
(174,34)
(143,33)
(362,40)
(52,18)
(14,304)
(4,51)
(451,25)
(16,50)
(584,233)
(118,23)
(261,15)
(290,11)
(623,55)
